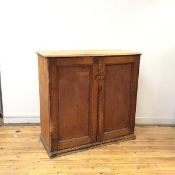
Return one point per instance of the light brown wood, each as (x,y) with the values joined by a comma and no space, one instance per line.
(77,53)
(44,94)
(152,153)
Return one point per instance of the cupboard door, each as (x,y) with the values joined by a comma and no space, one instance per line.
(75,105)
(117,97)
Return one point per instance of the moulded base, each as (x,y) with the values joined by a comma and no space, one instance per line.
(85,147)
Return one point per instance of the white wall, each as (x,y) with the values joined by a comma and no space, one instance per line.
(142,25)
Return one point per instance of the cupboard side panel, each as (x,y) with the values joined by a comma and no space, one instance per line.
(133,92)
(44,98)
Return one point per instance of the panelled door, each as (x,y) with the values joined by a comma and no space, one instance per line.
(117,96)
(93,99)
(74,88)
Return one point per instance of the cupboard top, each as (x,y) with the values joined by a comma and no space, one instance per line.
(79,53)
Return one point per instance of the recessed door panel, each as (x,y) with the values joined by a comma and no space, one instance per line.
(74,101)
(117,93)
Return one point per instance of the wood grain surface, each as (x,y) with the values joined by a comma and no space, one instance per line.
(77,53)
(152,153)
(87,100)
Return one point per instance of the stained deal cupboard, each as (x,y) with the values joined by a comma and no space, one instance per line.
(87,98)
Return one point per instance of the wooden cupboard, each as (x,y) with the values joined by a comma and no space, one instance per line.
(87,98)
